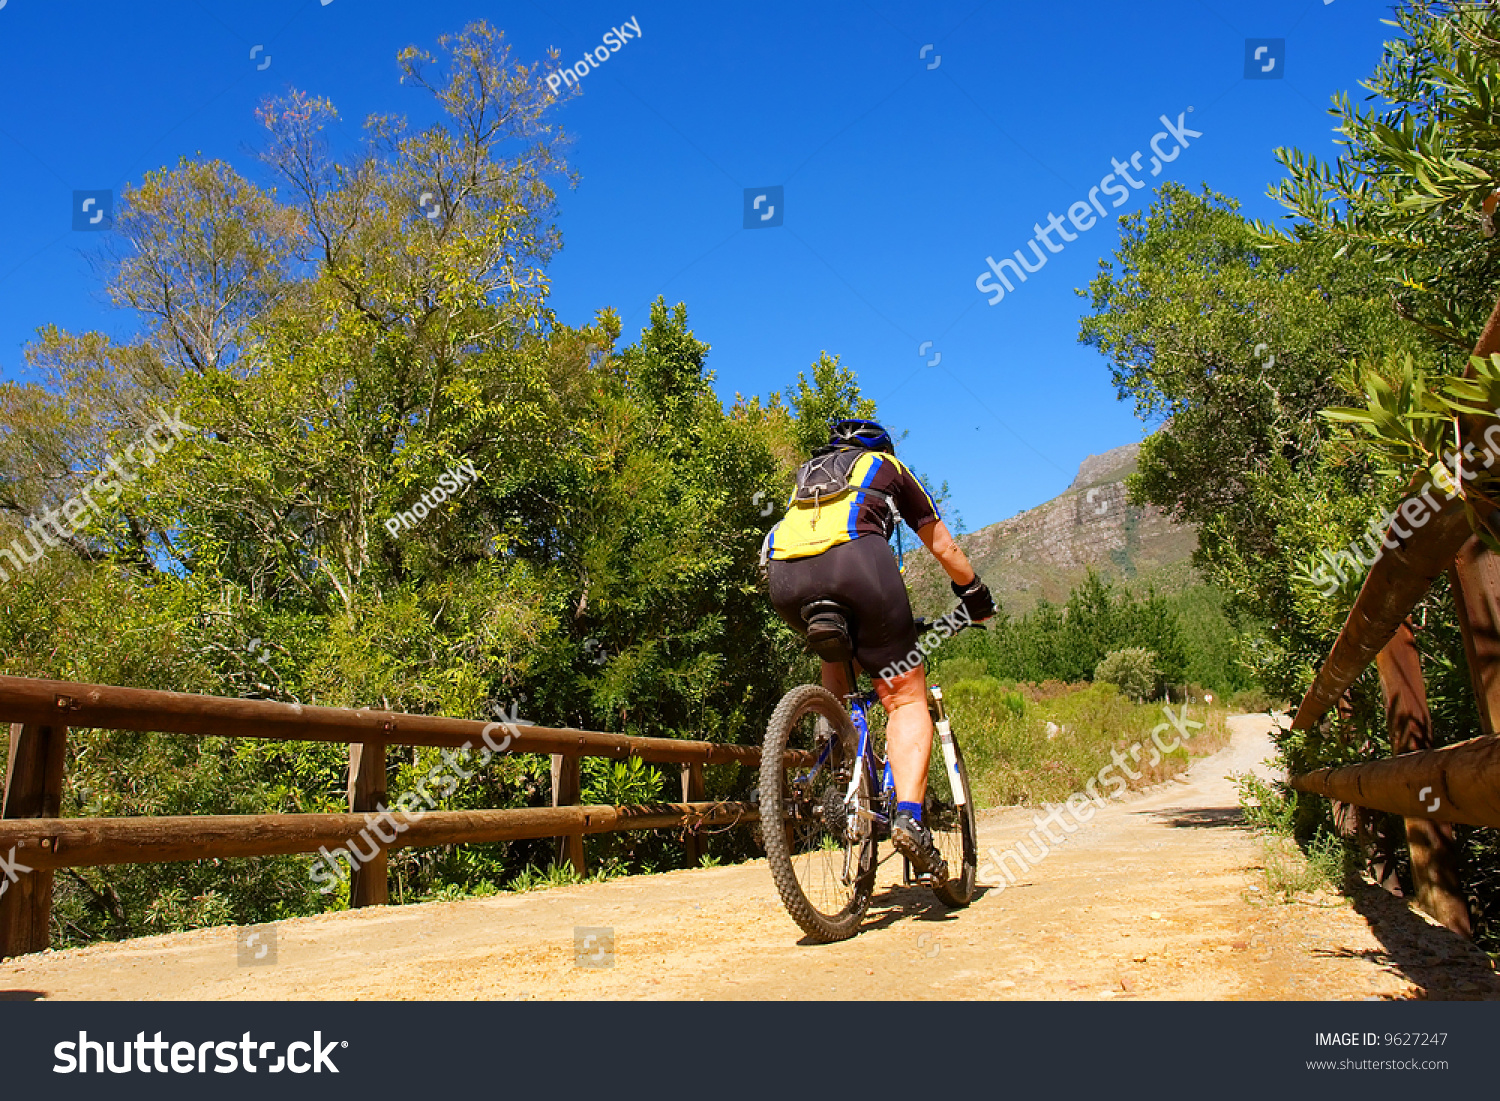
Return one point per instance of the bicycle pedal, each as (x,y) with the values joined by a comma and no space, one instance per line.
(919,879)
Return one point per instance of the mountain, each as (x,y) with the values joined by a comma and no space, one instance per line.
(1045,551)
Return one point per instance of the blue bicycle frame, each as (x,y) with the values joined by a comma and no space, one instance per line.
(859,704)
(883,798)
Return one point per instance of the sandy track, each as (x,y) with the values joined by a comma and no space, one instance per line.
(1155,898)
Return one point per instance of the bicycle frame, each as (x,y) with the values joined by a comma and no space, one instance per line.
(838,804)
(859,703)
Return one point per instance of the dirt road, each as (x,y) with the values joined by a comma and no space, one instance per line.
(1158,897)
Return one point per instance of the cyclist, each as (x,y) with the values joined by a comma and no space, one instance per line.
(832,545)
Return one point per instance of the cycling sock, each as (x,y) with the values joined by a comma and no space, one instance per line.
(913,809)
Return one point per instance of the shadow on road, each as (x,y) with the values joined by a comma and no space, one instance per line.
(1201,817)
(911,903)
(901,903)
(1443,964)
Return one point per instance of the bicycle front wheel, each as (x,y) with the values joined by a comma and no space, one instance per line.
(949,812)
(815,815)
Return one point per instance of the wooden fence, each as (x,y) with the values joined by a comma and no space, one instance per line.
(42,712)
(1429,788)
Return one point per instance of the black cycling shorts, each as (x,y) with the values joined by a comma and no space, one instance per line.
(863,576)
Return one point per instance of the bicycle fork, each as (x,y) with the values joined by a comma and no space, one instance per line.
(945,739)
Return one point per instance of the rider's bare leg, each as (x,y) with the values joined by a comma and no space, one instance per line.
(908,734)
(836,678)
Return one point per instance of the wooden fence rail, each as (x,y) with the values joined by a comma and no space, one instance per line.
(1458,783)
(46,844)
(34,837)
(25,700)
(1428,787)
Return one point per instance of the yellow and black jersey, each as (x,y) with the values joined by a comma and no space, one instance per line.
(880,486)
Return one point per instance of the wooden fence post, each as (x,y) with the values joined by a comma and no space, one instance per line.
(369,885)
(1434,856)
(567,790)
(693,792)
(1376,831)
(33,789)
(1475,580)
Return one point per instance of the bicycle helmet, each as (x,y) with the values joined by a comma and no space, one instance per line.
(852,432)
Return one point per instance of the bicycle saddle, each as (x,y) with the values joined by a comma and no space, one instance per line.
(828,633)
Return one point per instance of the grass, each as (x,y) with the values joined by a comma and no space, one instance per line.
(530,878)
(1290,869)
(1015,758)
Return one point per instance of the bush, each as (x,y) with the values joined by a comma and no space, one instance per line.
(1252,700)
(1013,762)
(1132,671)
(960,669)
(1264,807)
(1047,690)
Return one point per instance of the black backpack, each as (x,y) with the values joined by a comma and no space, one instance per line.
(825,477)
(822,478)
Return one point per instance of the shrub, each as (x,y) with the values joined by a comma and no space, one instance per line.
(960,669)
(1253,700)
(1132,671)
(1013,762)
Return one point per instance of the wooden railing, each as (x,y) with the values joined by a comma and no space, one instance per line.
(1399,580)
(1430,788)
(1458,783)
(34,837)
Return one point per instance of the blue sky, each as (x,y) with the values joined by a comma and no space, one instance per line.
(901,168)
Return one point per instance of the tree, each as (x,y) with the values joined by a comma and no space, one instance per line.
(1236,351)
(1264,456)
(832,394)
(1131,670)
(1416,185)
(337,348)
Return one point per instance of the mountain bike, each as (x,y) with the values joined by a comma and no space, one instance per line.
(827,795)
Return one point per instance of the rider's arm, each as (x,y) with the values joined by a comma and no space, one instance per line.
(936,538)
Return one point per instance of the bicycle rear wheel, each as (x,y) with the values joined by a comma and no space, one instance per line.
(819,842)
(949,811)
